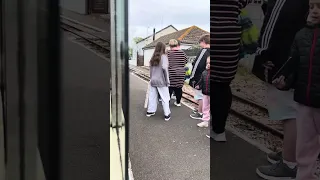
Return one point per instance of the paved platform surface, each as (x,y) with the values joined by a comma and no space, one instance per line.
(86,100)
(179,150)
(91,20)
(86,106)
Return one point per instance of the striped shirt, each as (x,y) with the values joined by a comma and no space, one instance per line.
(225,38)
(177,61)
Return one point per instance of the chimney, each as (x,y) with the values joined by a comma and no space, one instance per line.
(154,34)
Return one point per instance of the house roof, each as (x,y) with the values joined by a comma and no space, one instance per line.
(157,32)
(189,35)
(192,51)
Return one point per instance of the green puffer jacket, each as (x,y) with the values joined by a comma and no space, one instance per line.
(249,35)
(302,71)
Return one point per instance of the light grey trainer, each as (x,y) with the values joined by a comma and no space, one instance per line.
(194,111)
(196,115)
(218,137)
(278,171)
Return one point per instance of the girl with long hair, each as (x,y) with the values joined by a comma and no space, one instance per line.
(159,82)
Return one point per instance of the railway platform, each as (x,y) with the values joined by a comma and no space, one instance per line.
(85,112)
(179,150)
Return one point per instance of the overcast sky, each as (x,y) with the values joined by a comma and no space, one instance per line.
(144,15)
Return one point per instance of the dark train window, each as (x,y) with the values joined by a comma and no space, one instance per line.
(63,81)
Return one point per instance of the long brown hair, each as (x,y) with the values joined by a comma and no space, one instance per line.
(160,49)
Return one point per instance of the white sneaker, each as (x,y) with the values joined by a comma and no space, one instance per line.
(149,114)
(167,118)
(179,105)
(203,124)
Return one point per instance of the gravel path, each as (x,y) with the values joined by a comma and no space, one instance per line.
(249,86)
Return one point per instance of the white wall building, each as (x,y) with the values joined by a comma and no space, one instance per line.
(255,12)
(137,48)
(187,37)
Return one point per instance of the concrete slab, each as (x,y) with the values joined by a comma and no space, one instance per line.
(235,160)
(161,150)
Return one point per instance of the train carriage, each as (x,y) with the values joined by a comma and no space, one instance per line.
(31,90)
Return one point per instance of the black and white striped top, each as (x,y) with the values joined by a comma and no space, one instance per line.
(225,38)
(177,61)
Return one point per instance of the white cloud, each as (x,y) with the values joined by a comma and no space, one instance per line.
(144,15)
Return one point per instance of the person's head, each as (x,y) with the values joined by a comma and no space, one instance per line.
(204,41)
(314,11)
(179,44)
(174,44)
(208,63)
(159,50)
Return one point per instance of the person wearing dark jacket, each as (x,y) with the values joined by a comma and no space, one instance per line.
(302,73)
(204,86)
(198,66)
(267,5)
(283,19)
(264,7)
(225,48)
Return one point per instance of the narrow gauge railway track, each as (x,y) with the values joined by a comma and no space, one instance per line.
(93,41)
(83,27)
(234,110)
(185,96)
(236,96)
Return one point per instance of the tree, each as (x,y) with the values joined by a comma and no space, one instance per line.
(137,39)
(130,52)
(195,46)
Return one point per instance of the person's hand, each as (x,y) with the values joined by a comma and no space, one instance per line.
(247,62)
(279,82)
(268,65)
(197,87)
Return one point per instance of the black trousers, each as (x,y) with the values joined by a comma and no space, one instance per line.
(220,104)
(177,91)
